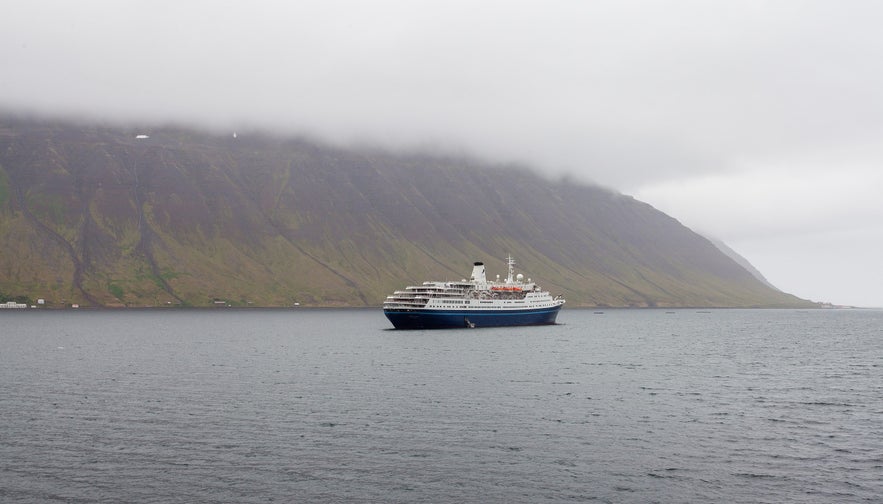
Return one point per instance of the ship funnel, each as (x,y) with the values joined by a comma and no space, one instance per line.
(478,272)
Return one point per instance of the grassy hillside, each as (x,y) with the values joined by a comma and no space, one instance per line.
(95,216)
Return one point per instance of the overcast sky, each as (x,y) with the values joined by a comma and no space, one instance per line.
(757,122)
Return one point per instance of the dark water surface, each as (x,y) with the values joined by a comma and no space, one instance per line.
(331,406)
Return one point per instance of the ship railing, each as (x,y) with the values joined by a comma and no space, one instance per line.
(393,306)
(407,300)
(410,294)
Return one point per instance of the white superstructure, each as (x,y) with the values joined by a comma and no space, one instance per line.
(476,294)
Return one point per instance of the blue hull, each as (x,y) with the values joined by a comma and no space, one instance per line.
(451,319)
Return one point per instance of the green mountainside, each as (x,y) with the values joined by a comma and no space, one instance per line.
(94,215)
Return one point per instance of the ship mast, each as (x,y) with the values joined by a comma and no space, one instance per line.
(511,262)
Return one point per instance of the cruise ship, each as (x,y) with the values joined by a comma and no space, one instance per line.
(477,302)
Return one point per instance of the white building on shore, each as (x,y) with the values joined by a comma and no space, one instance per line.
(12,305)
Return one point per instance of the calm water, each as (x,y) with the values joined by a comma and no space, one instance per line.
(331,406)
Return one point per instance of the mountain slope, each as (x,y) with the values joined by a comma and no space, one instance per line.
(741,261)
(94,215)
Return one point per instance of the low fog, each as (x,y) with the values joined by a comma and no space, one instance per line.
(756,122)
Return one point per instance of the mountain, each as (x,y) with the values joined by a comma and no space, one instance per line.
(741,261)
(102,215)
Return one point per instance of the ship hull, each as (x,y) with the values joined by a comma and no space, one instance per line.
(452,319)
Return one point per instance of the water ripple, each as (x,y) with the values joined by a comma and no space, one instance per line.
(328,406)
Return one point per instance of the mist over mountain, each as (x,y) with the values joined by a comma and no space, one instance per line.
(114,216)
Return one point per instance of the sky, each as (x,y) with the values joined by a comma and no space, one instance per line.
(759,123)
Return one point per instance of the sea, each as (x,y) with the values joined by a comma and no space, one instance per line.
(327,405)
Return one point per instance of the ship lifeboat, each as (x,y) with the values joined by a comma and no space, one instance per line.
(506,289)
